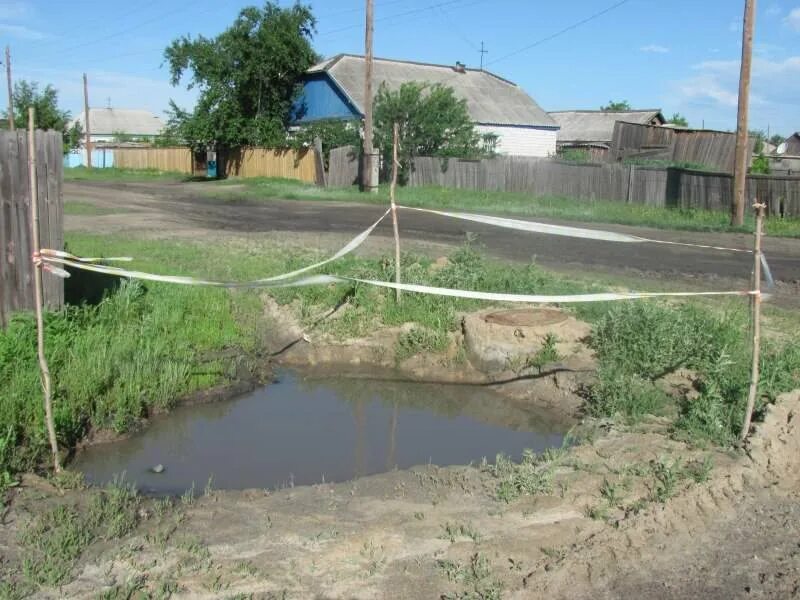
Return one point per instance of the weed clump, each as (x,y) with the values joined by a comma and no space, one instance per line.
(532,476)
(638,343)
(55,540)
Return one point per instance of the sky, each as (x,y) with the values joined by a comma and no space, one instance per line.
(681,56)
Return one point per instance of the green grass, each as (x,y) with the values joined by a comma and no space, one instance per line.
(639,342)
(599,211)
(54,540)
(146,346)
(121,175)
(87,209)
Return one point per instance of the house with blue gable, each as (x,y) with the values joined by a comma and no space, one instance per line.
(334,89)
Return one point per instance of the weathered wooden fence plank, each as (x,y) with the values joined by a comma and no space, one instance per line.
(16,264)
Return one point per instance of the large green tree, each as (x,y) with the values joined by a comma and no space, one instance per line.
(432,122)
(248,77)
(48,114)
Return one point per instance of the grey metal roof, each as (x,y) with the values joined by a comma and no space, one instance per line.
(108,121)
(598,125)
(490,99)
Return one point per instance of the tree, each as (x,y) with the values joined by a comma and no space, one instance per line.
(757,137)
(679,120)
(248,77)
(333,133)
(433,122)
(48,114)
(777,139)
(616,106)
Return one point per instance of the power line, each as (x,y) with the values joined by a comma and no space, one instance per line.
(386,18)
(560,32)
(129,29)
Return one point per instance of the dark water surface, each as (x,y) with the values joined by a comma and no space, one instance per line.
(303,431)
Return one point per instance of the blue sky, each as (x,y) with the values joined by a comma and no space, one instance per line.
(681,55)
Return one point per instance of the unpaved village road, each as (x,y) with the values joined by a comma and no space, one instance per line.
(188,205)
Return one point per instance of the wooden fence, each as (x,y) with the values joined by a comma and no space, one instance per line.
(610,181)
(16,266)
(178,160)
(714,149)
(265,162)
(343,167)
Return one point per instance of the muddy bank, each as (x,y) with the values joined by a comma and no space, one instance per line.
(629,512)
(495,347)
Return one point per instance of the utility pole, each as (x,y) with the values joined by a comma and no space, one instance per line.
(742,143)
(86,122)
(10,90)
(370,169)
(482,51)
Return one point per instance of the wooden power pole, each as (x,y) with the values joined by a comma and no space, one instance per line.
(370,170)
(86,122)
(742,143)
(10,90)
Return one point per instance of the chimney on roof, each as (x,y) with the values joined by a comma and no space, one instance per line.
(460,67)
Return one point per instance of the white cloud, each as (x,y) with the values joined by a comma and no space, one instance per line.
(654,48)
(21,32)
(710,92)
(125,90)
(793,19)
(12,10)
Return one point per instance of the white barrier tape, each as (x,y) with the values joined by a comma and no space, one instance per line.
(62,254)
(421,289)
(538,299)
(578,232)
(767,272)
(89,264)
(351,245)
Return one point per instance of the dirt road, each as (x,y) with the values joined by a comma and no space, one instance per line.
(188,205)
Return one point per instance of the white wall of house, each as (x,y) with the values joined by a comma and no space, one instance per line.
(522,141)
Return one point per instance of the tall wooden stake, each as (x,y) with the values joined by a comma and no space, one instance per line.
(742,144)
(86,122)
(392,191)
(369,182)
(754,377)
(10,90)
(36,248)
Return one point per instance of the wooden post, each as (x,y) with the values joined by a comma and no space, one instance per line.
(86,119)
(392,191)
(369,181)
(319,163)
(754,377)
(742,145)
(37,278)
(10,90)
(631,171)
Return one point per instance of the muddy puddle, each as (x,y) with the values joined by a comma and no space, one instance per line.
(302,431)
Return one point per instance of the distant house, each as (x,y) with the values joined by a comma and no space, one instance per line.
(107,124)
(593,130)
(334,89)
(793,144)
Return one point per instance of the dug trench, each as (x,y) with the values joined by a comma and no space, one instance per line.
(615,510)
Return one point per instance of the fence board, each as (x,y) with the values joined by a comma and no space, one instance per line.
(343,167)
(16,266)
(265,162)
(178,160)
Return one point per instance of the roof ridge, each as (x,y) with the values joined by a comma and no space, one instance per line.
(591,111)
(333,60)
